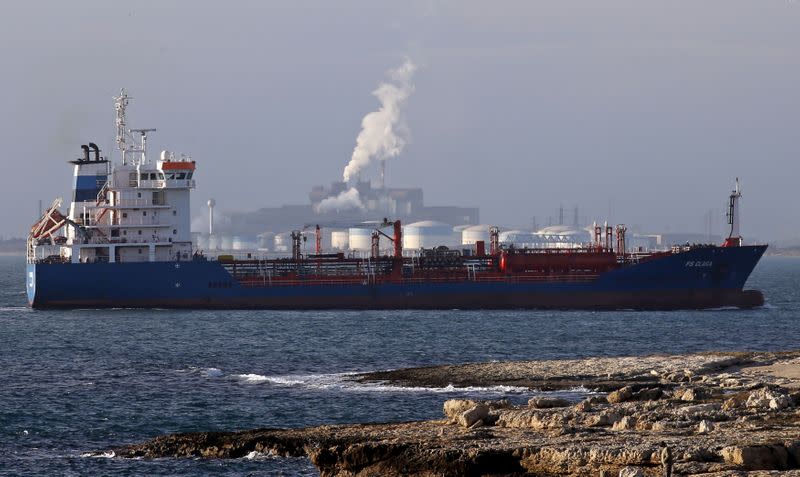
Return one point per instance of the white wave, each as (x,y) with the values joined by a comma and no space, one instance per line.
(213,372)
(251,378)
(723,308)
(341,382)
(15,308)
(100,455)
(254,455)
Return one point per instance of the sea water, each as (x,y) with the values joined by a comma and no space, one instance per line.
(73,382)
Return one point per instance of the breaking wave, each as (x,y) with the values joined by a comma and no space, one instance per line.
(344,382)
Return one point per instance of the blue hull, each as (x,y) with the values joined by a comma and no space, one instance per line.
(700,278)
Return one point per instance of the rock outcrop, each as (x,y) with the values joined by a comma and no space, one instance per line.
(714,418)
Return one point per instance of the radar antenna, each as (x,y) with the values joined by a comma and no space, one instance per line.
(125,141)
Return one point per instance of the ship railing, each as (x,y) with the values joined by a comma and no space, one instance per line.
(136,203)
(152,184)
(260,282)
(138,220)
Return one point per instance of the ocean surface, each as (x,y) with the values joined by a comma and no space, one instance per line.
(72,382)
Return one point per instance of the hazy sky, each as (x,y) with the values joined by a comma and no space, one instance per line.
(645,109)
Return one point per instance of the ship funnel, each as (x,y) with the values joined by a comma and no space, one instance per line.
(96,151)
(85,152)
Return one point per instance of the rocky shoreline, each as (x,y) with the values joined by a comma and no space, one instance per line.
(698,414)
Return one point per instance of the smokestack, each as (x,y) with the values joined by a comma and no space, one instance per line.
(96,150)
(383,174)
(85,152)
(211,204)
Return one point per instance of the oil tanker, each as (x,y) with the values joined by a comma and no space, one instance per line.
(126,242)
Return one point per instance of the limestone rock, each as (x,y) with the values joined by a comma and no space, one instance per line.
(705,427)
(631,472)
(583,406)
(453,408)
(597,400)
(627,423)
(477,413)
(699,411)
(547,402)
(648,394)
(620,395)
(736,401)
(768,399)
(766,457)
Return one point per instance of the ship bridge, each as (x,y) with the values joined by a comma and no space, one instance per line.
(135,210)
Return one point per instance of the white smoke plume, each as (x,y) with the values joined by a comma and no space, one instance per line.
(346,200)
(380,137)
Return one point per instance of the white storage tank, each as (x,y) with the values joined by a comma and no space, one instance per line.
(213,242)
(226,243)
(475,233)
(201,242)
(428,234)
(266,241)
(340,239)
(359,238)
(237,243)
(283,242)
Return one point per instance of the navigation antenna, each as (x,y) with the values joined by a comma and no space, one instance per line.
(125,141)
(735,237)
(120,103)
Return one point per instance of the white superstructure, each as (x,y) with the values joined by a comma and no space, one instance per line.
(134,211)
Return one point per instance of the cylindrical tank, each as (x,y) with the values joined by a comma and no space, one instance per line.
(340,239)
(226,242)
(202,242)
(359,238)
(474,233)
(237,243)
(283,242)
(427,234)
(266,241)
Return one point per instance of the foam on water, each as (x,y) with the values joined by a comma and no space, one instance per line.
(254,455)
(213,372)
(343,382)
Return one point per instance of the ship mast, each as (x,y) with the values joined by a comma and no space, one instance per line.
(735,237)
(125,141)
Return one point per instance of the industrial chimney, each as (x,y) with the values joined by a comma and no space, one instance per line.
(211,204)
